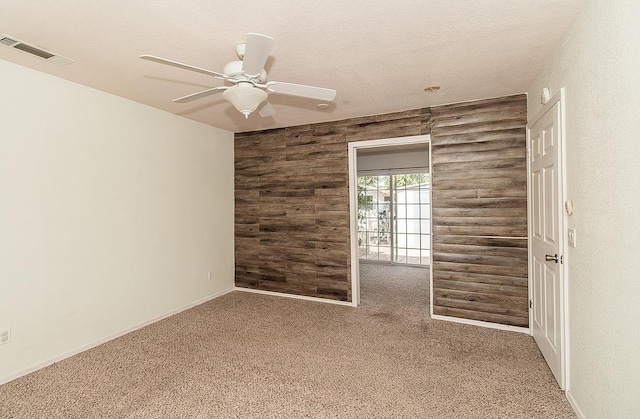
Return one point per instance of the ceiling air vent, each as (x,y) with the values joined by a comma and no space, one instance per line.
(6,41)
(11,42)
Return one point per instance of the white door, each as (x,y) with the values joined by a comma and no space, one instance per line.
(546,238)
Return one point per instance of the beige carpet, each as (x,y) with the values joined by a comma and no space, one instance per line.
(248,355)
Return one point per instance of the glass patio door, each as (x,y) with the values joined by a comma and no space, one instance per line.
(394,223)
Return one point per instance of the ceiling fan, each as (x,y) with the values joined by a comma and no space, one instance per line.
(247,89)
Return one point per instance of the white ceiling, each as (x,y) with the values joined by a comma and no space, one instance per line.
(378,55)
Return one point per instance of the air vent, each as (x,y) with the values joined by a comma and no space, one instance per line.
(15,43)
(33,50)
(9,42)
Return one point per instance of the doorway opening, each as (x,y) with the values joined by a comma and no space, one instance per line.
(390,211)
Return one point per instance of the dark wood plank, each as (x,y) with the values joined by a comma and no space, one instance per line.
(476,278)
(496,231)
(463,267)
(442,255)
(481,241)
(481,288)
(510,319)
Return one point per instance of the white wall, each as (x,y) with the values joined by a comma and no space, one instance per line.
(111,215)
(416,160)
(599,64)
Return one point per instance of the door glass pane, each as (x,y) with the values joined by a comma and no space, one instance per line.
(413,210)
(425,226)
(413,241)
(413,226)
(425,241)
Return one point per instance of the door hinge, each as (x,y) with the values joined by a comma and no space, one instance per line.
(530,304)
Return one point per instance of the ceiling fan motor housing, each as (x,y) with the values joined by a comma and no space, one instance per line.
(234,71)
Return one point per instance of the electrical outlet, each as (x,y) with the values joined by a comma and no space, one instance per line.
(209,276)
(5,336)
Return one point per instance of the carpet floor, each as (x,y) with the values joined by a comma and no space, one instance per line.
(247,355)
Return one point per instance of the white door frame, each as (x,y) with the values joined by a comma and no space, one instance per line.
(353,200)
(562,239)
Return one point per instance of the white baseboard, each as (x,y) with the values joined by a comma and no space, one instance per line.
(298,297)
(98,342)
(482,324)
(574,405)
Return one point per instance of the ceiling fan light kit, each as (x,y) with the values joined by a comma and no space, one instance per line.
(247,78)
(245,98)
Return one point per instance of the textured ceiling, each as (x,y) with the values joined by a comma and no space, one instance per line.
(378,55)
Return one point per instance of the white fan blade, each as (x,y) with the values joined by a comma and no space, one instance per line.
(256,52)
(312,92)
(204,93)
(267,110)
(172,63)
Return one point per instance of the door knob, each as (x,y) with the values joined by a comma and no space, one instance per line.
(550,258)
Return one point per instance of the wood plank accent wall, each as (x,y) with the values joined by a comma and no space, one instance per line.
(479,200)
(292,213)
(292,203)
